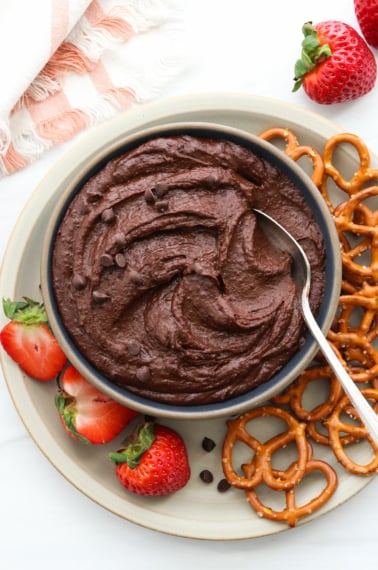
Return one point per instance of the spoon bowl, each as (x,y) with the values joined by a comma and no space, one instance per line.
(301,271)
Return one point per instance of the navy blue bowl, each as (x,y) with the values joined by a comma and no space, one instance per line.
(293,367)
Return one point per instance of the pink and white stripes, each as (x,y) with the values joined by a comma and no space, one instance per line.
(87,61)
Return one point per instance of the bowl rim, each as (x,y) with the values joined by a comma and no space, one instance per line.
(259,395)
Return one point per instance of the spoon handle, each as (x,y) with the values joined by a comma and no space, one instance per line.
(367,415)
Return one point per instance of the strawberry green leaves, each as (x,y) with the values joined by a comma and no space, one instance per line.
(26,311)
(135,446)
(313,53)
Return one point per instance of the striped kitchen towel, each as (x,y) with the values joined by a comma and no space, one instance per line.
(67,65)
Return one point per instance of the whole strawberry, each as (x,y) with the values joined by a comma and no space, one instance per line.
(29,341)
(87,414)
(367,16)
(153,461)
(336,64)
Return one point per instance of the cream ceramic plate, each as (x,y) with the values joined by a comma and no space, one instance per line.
(199,510)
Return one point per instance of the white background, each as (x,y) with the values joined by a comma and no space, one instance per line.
(237,46)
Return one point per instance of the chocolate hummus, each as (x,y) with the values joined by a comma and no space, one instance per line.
(164,280)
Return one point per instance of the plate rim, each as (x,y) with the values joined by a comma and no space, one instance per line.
(137,118)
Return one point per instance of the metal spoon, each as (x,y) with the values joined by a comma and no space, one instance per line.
(282,239)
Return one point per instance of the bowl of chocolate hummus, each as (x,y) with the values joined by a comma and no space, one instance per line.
(160,285)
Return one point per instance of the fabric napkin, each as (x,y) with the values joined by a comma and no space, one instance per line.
(67,65)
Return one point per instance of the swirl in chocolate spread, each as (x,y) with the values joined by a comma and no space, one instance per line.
(164,280)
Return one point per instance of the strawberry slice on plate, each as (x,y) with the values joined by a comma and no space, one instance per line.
(86,413)
(28,340)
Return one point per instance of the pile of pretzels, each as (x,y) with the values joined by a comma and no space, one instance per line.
(332,422)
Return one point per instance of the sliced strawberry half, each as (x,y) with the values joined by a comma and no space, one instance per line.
(28,340)
(86,413)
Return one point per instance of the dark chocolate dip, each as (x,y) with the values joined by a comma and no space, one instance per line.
(164,280)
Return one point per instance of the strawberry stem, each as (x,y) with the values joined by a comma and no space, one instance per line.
(313,53)
(65,404)
(135,446)
(28,311)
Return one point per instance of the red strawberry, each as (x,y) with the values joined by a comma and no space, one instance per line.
(29,341)
(336,64)
(154,461)
(87,414)
(367,16)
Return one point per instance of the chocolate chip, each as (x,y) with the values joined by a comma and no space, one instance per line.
(100,297)
(212,179)
(208,444)
(119,239)
(143,374)
(133,347)
(135,277)
(223,486)
(161,205)
(106,260)
(79,282)
(206,476)
(160,189)
(108,216)
(149,196)
(120,260)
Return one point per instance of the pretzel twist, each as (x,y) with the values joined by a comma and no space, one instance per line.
(356,218)
(354,348)
(365,300)
(295,151)
(314,374)
(260,465)
(364,173)
(336,425)
(293,512)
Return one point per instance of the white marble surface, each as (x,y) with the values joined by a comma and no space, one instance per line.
(239,46)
